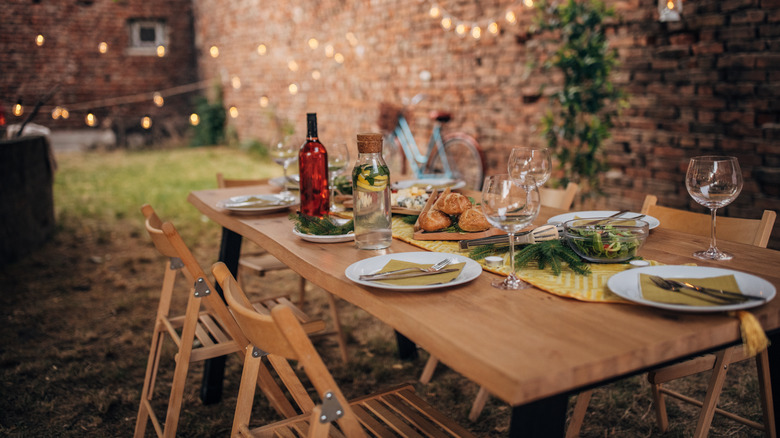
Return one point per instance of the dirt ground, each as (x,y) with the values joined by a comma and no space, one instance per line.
(76,324)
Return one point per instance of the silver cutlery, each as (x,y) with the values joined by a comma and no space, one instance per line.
(434,269)
(538,234)
(401,275)
(674,285)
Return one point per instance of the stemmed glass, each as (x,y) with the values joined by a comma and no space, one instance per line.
(713,182)
(530,166)
(284,153)
(338,157)
(510,207)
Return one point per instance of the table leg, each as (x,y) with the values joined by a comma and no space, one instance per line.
(542,418)
(407,350)
(214,369)
(774,374)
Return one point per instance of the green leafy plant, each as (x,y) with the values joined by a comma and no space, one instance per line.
(211,128)
(584,109)
(320,226)
(552,253)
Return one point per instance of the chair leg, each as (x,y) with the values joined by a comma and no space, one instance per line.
(430,367)
(148,390)
(765,391)
(479,403)
(302,290)
(337,325)
(722,360)
(659,402)
(246,391)
(578,416)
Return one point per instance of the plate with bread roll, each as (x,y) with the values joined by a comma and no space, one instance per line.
(452,216)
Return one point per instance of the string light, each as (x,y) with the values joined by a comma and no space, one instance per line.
(56,113)
(264,101)
(478,28)
(353,41)
(103,47)
(292,65)
(262,49)
(316,75)
(510,17)
(293,89)
(18,109)
(214,51)
(461,29)
(476,32)
(39,40)
(160,51)
(158,99)
(235,82)
(65,113)
(194,119)
(493,28)
(446,23)
(329,50)
(434,12)
(313,43)
(90,119)
(146,122)
(338,57)
(233,111)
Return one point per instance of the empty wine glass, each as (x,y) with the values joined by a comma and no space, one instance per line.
(284,153)
(530,166)
(713,182)
(338,157)
(510,207)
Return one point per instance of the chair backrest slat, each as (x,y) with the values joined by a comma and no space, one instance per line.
(559,198)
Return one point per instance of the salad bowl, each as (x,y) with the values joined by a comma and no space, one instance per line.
(605,240)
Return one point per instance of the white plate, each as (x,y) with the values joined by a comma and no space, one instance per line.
(626,285)
(470,271)
(349,237)
(438,183)
(243,204)
(561,218)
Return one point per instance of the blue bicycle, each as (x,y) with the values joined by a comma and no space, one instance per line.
(454,155)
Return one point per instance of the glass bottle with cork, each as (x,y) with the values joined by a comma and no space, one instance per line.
(313,172)
(371,193)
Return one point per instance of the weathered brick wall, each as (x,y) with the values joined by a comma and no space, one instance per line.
(708,84)
(69,57)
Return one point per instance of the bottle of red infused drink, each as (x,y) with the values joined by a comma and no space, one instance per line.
(313,172)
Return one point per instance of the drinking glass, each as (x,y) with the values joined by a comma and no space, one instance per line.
(284,153)
(713,182)
(510,207)
(530,166)
(338,157)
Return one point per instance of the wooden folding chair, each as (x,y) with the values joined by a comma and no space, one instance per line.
(556,198)
(279,338)
(259,261)
(750,231)
(205,330)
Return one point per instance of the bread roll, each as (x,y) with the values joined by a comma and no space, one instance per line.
(452,203)
(473,220)
(434,220)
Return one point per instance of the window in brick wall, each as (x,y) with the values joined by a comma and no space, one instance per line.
(146,35)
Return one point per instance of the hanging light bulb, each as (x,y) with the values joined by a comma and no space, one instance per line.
(353,41)
(462,29)
(264,101)
(235,82)
(292,65)
(160,51)
(476,32)
(214,51)
(146,122)
(56,113)
(528,3)
(65,113)
(510,17)
(338,57)
(293,89)
(90,119)
(39,40)
(669,10)
(434,12)
(316,74)
(194,119)
(313,43)
(158,99)
(329,51)
(18,108)
(103,47)
(446,23)
(233,111)
(262,49)
(493,28)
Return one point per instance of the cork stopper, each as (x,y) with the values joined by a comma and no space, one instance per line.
(369,143)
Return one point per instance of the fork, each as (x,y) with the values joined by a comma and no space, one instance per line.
(436,267)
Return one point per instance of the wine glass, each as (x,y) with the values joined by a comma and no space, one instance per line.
(284,153)
(530,166)
(338,157)
(713,182)
(510,207)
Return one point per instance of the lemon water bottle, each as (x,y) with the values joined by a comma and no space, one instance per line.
(371,194)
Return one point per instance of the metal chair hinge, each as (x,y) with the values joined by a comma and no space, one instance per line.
(201,288)
(256,352)
(176,263)
(331,408)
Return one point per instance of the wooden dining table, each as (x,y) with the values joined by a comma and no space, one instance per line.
(529,348)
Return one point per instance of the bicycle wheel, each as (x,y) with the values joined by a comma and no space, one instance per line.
(464,157)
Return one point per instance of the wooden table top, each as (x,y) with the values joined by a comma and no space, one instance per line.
(524,345)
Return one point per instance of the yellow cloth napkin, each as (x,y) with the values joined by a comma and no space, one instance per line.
(652,292)
(423,280)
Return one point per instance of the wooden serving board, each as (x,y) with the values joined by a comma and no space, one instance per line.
(419,234)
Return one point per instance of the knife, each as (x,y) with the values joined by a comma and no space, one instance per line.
(394,276)
(667,283)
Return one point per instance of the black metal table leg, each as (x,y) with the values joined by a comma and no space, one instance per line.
(214,369)
(774,373)
(407,350)
(544,418)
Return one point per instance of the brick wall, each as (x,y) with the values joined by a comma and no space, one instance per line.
(69,57)
(709,84)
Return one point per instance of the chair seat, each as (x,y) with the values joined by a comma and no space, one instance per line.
(261,263)
(397,411)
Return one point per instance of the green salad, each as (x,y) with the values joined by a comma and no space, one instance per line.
(604,242)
